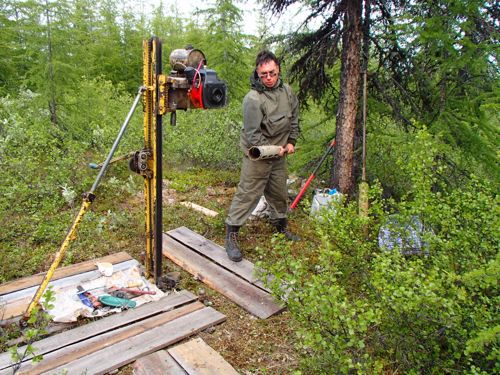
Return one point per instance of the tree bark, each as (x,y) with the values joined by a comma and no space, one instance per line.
(342,171)
(359,163)
(52,84)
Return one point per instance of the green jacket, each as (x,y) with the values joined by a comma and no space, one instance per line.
(270,115)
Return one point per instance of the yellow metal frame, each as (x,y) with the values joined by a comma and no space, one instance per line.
(149,80)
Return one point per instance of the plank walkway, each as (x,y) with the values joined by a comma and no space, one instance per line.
(194,357)
(60,273)
(112,342)
(209,263)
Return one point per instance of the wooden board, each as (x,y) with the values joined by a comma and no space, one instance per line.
(62,272)
(71,280)
(94,329)
(82,350)
(15,308)
(246,295)
(52,329)
(199,208)
(197,358)
(211,250)
(127,351)
(158,363)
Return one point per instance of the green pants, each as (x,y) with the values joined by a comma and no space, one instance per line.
(260,177)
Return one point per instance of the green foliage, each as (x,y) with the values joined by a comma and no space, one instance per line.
(37,323)
(224,40)
(45,168)
(367,309)
(317,130)
(447,74)
(207,138)
(388,154)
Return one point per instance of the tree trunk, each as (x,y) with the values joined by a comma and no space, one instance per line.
(342,171)
(52,84)
(359,162)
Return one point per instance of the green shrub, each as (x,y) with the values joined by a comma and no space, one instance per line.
(206,138)
(366,309)
(38,322)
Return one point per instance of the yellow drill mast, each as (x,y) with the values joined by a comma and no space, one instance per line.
(151,155)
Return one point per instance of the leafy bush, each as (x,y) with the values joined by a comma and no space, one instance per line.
(208,138)
(38,322)
(389,149)
(367,309)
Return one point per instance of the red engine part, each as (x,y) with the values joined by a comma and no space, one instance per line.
(196,91)
(196,96)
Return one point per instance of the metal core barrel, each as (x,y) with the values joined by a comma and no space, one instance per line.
(263,152)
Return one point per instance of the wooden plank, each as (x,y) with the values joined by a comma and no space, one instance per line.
(62,272)
(213,251)
(68,281)
(157,363)
(106,324)
(199,208)
(197,358)
(51,329)
(244,294)
(88,347)
(15,308)
(118,355)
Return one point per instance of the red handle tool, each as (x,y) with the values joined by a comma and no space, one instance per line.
(311,177)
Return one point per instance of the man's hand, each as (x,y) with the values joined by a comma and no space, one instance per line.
(288,149)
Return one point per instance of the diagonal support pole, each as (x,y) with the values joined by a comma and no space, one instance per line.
(88,198)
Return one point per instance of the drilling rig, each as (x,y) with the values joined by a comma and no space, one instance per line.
(190,84)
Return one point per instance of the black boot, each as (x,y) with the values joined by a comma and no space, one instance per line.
(281,226)
(232,249)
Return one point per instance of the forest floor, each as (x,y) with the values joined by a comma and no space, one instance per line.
(249,344)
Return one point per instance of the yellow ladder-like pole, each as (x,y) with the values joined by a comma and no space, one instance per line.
(149,145)
(153,112)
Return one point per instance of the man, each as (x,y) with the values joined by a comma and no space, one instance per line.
(270,117)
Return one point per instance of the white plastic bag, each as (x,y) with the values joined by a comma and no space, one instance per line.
(262,209)
(323,199)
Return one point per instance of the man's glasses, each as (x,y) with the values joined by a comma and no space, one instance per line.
(272,73)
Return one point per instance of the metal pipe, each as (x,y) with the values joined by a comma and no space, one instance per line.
(117,141)
(263,152)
